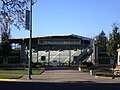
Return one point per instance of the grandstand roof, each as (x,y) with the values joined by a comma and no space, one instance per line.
(53,36)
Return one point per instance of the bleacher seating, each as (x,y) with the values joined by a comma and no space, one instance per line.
(60,56)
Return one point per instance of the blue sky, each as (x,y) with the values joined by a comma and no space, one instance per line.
(81,17)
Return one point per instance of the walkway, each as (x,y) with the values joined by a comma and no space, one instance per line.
(68,76)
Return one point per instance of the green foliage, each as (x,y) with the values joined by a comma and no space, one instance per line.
(12,12)
(9,77)
(35,72)
(6,47)
(109,45)
(101,40)
(113,41)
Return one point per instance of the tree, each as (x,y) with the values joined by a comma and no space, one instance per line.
(5,45)
(113,41)
(12,13)
(101,40)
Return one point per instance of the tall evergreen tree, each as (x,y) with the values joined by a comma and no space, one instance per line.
(101,40)
(113,41)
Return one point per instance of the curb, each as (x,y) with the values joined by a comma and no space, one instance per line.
(103,77)
(13,80)
(107,77)
(18,80)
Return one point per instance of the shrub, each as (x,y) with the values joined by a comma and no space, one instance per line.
(86,64)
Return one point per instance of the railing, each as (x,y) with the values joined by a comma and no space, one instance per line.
(85,54)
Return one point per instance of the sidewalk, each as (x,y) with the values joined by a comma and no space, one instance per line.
(68,76)
(65,76)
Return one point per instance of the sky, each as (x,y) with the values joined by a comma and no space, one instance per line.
(81,17)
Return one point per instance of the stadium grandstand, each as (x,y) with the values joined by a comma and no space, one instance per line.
(54,50)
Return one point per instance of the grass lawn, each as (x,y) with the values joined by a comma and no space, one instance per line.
(16,74)
(34,72)
(9,77)
(104,73)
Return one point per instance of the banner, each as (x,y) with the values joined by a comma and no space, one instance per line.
(27,21)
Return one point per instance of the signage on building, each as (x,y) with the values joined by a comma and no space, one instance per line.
(60,42)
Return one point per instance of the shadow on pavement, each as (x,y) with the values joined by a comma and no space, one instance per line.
(81,85)
(61,68)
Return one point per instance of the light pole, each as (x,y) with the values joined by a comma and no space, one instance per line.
(30,46)
(29,27)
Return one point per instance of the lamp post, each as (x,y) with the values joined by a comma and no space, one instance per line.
(29,27)
(30,46)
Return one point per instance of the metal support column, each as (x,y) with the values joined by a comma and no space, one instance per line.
(69,57)
(48,57)
(37,55)
(59,57)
